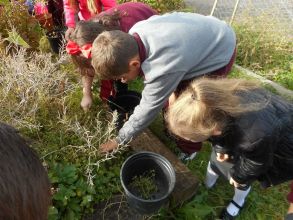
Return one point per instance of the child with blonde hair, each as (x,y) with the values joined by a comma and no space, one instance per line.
(75,10)
(250,129)
(121,17)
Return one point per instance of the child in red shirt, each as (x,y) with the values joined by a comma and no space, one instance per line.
(83,10)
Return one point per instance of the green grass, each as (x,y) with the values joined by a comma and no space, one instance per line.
(265,47)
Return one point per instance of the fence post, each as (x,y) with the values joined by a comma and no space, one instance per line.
(234,12)
(214,6)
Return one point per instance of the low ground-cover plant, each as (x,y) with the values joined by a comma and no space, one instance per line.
(73,197)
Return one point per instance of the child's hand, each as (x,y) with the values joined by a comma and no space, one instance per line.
(109,146)
(86,102)
(222,157)
(235,184)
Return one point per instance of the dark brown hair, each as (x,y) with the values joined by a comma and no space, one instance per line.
(84,65)
(110,20)
(24,183)
(86,32)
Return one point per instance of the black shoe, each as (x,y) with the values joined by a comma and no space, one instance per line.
(226,216)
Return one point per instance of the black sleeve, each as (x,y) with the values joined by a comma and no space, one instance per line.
(253,162)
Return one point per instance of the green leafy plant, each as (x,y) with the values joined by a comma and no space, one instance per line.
(197,209)
(16,39)
(14,18)
(71,193)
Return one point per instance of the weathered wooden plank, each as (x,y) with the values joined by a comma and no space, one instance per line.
(186,182)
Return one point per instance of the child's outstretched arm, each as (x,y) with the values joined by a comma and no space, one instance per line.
(154,96)
(87,99)
(70,16)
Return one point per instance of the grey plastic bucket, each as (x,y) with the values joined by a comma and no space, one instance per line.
(164,179)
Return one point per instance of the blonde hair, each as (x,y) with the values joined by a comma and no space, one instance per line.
(91,4)
(207,104)
(111,53)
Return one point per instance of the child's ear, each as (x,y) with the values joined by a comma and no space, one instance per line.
(217,132)
(135,62)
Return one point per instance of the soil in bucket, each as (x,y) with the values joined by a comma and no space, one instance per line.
(124,103)
(55,38)
(147,179)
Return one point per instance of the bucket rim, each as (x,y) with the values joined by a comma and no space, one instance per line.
(165,160)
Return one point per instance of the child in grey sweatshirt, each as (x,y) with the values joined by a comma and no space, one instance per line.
(165,50)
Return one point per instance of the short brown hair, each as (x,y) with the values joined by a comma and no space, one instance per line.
(86,32)
(111,53)
(24,183)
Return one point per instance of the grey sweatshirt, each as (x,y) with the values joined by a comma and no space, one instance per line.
(179,46)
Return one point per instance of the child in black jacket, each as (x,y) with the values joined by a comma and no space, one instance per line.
(250,129)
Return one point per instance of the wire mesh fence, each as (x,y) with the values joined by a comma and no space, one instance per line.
(280,11)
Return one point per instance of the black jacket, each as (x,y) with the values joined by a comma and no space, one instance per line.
(260,143)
